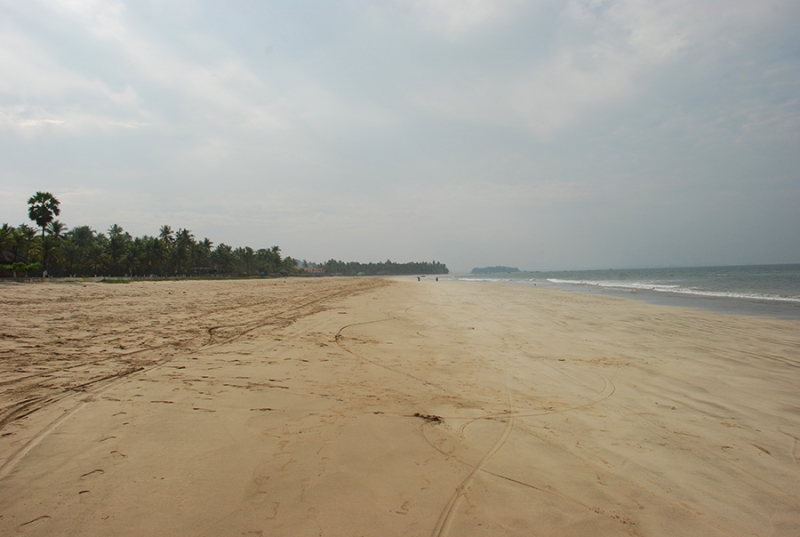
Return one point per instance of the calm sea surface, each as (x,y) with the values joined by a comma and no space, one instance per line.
(763,290)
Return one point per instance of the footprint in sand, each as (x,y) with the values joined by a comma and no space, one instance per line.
(33,523)
(93,473)
(403,508)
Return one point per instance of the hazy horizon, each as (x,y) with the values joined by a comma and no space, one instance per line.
(543,135)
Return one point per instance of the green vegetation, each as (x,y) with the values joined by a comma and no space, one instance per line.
(82,251)
(43,208)
(372,269)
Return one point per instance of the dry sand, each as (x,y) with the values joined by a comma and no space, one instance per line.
(385,407)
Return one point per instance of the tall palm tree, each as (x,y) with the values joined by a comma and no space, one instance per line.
(167,237)
(223,258)
(202,255)
(244,258)
(184,246)
(24,238)
(166,234)
(118,244)
(43,208)
(7,241)
(79,242)
(51,246)
(155,255)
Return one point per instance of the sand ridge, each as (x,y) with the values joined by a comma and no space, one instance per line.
(369,406)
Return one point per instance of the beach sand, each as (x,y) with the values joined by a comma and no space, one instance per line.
(348,407)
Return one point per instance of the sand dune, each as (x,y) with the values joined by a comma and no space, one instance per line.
(389,407)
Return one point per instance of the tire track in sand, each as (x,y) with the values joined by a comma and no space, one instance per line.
(103,385)
(98,385)
(445,519)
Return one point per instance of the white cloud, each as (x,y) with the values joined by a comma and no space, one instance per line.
(32,75)
(491,121)
(604,49)
(220,92)
(30,71)
(31,121)
(454,18)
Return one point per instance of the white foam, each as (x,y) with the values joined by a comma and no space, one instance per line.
(662,288)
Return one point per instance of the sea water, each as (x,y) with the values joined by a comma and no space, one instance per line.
(766,290)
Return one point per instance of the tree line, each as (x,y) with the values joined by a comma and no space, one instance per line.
(352,268)
(83,251)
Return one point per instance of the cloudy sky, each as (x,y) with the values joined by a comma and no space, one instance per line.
(538,134)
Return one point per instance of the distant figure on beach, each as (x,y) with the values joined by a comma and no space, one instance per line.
(418,278)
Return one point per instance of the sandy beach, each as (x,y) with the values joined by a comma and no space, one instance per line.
(367,407)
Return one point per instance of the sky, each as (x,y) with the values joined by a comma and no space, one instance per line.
(537,134)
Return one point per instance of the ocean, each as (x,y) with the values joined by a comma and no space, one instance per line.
(761,290)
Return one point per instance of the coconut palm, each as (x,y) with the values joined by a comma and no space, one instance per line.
(24,238)
(202,255)
(56,228)
(155,255)
(244,259)
(79,240)
(119,242)
(184,246)
(223,258)
(7,241)
(166,234)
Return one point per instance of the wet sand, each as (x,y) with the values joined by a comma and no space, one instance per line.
(390,407)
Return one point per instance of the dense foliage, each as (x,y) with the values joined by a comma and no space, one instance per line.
(352,268)
(83,251)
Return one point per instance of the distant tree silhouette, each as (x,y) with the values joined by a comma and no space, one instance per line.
(43,209)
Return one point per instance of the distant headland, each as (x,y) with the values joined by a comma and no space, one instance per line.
(494,270)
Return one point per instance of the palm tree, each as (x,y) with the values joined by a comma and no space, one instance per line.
(168,238)
(7,240)
(48,248)
(202,255)
(51,246)
(244,258)
(184,246)
(223,258)
(155,255)
(134,262)
(118,244)
(79,241)
(56,228)
(43,208)
(166,234)
(24,236)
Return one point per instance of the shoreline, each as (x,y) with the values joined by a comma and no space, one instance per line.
(373,406)
(744,306)
(748,307)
